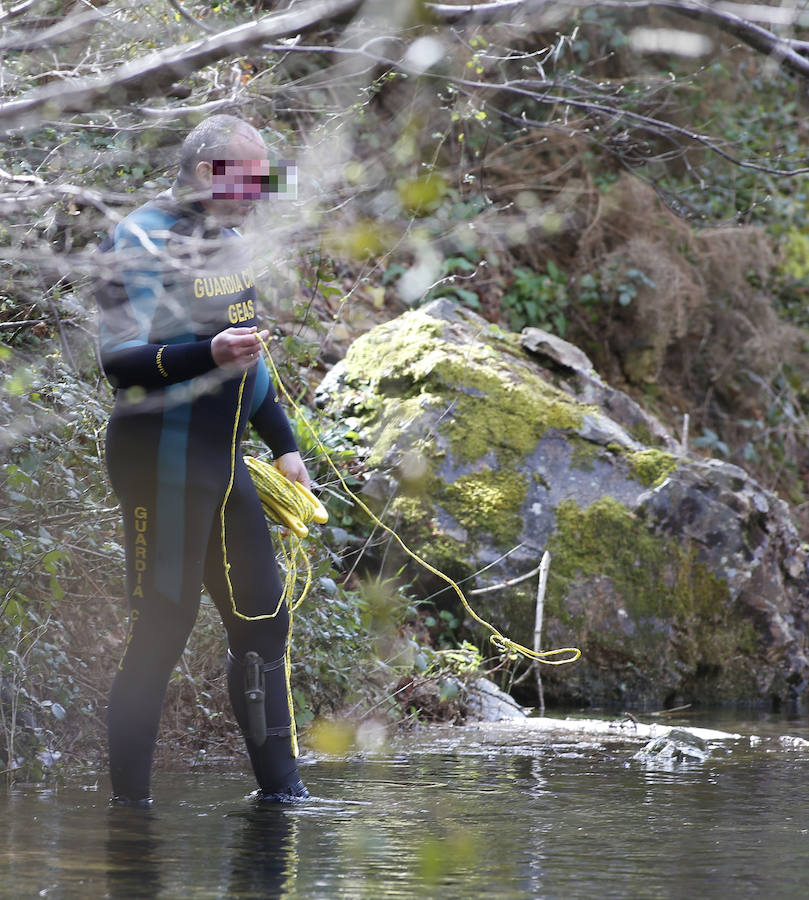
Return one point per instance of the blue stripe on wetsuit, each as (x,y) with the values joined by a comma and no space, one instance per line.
(143,285)
(262,386)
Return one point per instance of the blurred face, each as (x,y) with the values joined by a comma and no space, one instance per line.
(240,179)
(236,181)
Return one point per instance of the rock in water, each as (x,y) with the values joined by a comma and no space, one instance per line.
(679,745)
(485,702)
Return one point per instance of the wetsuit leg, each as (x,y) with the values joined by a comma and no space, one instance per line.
(166,530)
(256,589)
(158,631)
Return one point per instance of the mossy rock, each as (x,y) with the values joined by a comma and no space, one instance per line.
(483,458)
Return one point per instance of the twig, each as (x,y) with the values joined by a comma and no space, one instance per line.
(668,712)
(544,565)
(66,351)
(684,438)
(147,75)
(189,18)
(59,33)
(509,582)
(19,323)
(17,10)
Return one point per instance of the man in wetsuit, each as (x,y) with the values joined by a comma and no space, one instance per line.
(179,342)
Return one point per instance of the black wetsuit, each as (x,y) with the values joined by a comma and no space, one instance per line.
(173,283)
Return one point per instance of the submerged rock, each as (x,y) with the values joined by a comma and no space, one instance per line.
(679,745)
(680,579)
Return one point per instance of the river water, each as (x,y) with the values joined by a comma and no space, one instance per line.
(497,811)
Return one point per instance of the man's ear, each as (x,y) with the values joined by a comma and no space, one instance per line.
(204,172)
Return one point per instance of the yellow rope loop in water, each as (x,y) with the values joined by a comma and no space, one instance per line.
(558,657)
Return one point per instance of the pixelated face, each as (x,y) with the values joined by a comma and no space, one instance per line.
(253,179)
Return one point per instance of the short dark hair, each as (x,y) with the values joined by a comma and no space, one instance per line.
(210,140)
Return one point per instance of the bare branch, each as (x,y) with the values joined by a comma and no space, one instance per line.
(451,13)
(537,92)
(783,51)
(175,4)
(149,75)
(17,10)
(62,32)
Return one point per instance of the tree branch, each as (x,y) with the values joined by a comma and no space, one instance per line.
(761,40)
(451,13)
(17,10)
(614,113)
(175,4)
(147,76)
(66,30)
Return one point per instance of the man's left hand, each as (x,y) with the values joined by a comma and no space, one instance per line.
(293,467)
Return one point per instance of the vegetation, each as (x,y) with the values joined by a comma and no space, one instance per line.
(534,165)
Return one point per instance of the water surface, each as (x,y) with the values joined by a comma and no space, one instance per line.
(502,811)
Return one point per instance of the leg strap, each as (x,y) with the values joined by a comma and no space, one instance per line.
(253,670)
(268,666)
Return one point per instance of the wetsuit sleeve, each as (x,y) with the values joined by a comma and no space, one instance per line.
(127,305)
(154,365)
(268,417)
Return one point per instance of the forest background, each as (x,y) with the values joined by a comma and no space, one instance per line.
(630,176)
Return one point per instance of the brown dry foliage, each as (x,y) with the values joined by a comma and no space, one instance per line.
(701,328)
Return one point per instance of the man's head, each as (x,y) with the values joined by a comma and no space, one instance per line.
(222,138)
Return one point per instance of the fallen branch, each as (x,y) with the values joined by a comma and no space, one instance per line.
(20,323)
(507,583)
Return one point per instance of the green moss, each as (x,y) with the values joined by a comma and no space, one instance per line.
(488,503)
(391,418)
(583,453)
(389,348)
(427,540)
(493,398)
(652,467)
(603,540)
(660,583)
(504,417)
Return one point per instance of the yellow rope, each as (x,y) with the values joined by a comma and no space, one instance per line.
(501,642)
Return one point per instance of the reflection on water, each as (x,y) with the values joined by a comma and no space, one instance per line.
(264,854)
(497,811)
(132,854)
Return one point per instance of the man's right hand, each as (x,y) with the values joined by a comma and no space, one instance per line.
(237,348)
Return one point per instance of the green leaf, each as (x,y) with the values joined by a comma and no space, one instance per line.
(470,298)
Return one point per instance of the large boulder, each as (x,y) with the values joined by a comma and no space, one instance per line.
(681,580)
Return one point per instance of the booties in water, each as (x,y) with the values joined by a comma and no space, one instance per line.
(258,694)
(143,803)
(293,793)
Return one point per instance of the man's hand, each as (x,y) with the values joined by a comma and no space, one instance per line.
(237,348)
(292,466)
